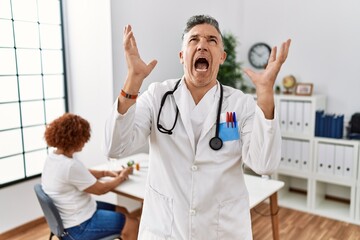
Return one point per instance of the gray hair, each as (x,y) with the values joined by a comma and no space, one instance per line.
(200,19)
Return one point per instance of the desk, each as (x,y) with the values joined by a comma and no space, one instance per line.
(259,188)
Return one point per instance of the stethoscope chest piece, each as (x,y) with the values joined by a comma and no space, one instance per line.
(215,143)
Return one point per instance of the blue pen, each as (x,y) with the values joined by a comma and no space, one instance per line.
(234,119)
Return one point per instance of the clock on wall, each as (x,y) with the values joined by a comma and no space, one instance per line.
(259,55)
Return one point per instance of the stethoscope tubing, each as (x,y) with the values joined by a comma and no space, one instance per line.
(215,143)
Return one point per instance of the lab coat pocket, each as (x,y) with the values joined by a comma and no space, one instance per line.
(234,219)
(161,222)
(227,133)
(229,127)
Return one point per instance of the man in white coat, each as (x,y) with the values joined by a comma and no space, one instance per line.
(200,133)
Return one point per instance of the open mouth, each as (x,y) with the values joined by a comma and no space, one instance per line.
(201,64)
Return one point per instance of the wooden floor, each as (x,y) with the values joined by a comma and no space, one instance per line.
(294,225)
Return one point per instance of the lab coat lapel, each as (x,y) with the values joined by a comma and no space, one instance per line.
(211,119)
(181,99)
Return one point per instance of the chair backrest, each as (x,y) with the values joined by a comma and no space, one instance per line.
(51,213)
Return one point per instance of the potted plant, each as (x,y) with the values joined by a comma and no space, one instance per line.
(230,71)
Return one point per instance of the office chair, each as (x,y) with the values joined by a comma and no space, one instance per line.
(52,215)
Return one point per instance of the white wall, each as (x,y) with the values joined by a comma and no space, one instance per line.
(325,39)
(90,69)
(325,48)
(158,32)
(324,51)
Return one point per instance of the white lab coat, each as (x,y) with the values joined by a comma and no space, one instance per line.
(195,194)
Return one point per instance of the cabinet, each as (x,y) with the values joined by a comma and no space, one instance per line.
(335,178)
(357,207)
(320,174)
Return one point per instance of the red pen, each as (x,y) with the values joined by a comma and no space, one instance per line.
(227,119)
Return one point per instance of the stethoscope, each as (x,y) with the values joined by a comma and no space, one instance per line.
(215,142)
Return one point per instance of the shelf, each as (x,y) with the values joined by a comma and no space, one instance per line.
(295,192)
(299,136)
(340,141)
(335,180)
(334,200)
(289,97)
(294,172)
(334,210)
(321,175)
(336,158)
(293,200)
(357,207)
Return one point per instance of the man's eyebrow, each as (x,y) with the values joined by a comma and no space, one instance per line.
(212,36)
(194,35)
(206,36)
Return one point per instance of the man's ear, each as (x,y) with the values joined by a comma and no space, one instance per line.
(223,57)
(181,56)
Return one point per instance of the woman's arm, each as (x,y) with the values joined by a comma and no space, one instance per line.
(104,173)
(100,188)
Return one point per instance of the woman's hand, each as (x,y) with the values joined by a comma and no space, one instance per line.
(126,172)
(102,187)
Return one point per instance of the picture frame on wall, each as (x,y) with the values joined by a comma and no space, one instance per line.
(304,89)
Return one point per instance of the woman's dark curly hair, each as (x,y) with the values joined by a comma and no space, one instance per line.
(68,132)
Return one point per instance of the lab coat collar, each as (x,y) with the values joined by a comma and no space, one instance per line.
(180,96)
(183,106)
(211,120)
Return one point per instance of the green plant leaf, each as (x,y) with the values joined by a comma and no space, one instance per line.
(230,71)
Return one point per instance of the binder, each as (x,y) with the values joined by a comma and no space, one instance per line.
(297,155)
(318,118)
(348,161)
(305,155)
(339,160)
(321,158)
(299,117)
(339,126)
(307,117)
(283,153)
(328,125)
(283,115)
(322,126)
(330,157)
(290,153)
(291,116)
(333,130)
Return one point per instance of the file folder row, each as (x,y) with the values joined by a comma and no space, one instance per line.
(335,160)
(295,154)
(328,125)
(295,116)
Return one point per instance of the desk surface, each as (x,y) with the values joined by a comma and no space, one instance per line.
(259,188)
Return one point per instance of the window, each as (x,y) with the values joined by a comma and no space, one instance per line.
(32,84)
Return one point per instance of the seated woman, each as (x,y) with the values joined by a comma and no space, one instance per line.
(70,184)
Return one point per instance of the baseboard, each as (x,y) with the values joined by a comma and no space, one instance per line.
(14,232)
